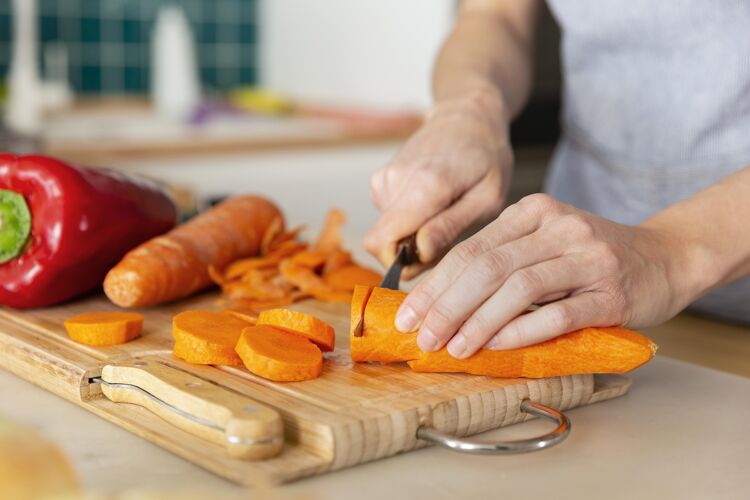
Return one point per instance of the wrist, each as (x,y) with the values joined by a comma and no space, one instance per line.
(480,100)
(690,267)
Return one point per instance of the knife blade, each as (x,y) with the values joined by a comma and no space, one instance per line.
(406,254)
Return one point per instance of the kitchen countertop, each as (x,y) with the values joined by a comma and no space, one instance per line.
(679,433)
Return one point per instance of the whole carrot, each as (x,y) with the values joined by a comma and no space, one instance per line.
(175,265)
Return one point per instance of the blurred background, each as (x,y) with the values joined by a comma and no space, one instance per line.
(218,96)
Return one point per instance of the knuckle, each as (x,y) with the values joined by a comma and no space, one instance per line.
(443,231)
(577,225)
(439,317)
(606,256)
(526,283)
(492,264)
(540,202)
(468,250)
(561,317)
(478,325)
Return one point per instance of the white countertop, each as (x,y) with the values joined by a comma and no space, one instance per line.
(680,433)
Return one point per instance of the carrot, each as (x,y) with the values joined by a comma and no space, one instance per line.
(175,265)
(380,340)
(346,278)
(104,328)
(206,337)
(317,330)
(279,355)
(306,280)
(310,258)
(330,237)
(243,314)
(274,230)
(589,350)
(336,260)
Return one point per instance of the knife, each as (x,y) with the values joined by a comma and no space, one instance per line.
(406,254)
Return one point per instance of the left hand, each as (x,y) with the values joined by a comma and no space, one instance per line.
(585,271)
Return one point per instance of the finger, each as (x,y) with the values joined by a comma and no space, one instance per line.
(405,215)
(522,288)
(554,319)
(481,279)
(480,204)
(515,222)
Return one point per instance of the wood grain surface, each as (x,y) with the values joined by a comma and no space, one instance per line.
(353,413)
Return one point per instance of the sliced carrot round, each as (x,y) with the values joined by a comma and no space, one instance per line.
(104,328)
(206,337)
(317,330)
(279,355)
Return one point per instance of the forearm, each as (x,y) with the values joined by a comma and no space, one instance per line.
(489,52)
(711,235)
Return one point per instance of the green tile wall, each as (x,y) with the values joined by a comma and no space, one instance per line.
(108,40)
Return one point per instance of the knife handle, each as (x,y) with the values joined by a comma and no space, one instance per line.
(248,429)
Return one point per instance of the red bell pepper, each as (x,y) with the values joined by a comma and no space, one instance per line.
(62,227)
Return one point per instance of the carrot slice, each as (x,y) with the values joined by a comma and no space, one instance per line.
(244,314)
(104,328)
(206,337)
(279,355)
(330,237)
(346,278)
(317,330)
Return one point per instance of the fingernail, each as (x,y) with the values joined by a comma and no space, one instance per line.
(406,319)
(457,346)
(427,341)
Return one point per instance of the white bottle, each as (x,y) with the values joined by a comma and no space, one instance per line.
(175,89)
(23,112)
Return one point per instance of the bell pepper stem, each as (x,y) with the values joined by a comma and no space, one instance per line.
(15,225)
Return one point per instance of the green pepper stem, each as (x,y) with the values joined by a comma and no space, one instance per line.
(15,225)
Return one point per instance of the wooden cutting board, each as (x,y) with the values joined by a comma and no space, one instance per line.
(353,413)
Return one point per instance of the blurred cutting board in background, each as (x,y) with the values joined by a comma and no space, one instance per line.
(350,415)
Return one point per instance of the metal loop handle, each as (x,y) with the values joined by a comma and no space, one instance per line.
(434,436)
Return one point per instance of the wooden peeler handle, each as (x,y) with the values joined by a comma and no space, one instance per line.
(248,429)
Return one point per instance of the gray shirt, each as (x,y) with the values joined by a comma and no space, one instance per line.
(656,107)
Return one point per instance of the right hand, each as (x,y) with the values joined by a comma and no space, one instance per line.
(452,174)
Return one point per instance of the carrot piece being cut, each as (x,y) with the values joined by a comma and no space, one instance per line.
(346,278)
(175,265)
(206,337)
(380,341)
(279,355)
(317,330)
(589,350)
(104,328)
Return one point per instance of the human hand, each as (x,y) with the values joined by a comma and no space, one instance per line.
(585,271)
(452,174)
